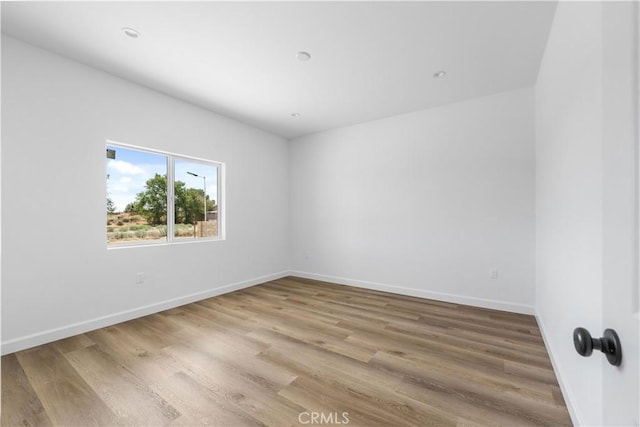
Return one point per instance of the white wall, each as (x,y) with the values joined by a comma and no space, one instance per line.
(58,278)
(423,204)
(620,49)
(569,202)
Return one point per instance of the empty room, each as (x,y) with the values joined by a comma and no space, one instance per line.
(320,213)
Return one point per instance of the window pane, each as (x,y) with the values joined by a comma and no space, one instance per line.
(136,196)
(196,195)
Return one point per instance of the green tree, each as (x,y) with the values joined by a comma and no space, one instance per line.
(182,211)
(189,204)
(152,203)
(193,205)
(111,208)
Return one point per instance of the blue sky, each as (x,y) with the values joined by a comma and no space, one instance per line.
(130,170)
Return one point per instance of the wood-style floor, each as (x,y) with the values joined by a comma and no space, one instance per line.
(277,353)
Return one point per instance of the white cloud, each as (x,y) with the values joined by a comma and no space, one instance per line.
(125,168)
(119,189)
(126,179)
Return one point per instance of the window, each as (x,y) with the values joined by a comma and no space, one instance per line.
(141,184)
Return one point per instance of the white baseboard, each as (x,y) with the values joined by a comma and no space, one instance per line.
(574,412)
(55,334)
(438,296)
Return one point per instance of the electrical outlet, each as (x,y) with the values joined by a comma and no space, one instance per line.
(493,274)
(139,278)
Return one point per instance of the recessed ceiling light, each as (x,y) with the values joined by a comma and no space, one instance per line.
(134,34)
(439,74)
(295,114)
(303,56)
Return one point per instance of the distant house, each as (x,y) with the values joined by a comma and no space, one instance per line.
(212,215)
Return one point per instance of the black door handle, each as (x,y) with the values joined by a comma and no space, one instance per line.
(609,344)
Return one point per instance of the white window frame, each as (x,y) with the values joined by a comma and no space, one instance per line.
(171,157)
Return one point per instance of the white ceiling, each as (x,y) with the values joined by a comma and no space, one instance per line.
(369,59)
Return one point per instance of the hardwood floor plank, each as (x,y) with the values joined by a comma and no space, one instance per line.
(146,364)
(290,348)
(364,395)
(362,406)
(198,405)
(241,394)
(74,343)
(491,376)
(465,409)
(125,394)
(541,374)
(468,385)
(243,363)
(20,403)
(319,402)
(353,382)
(66,397)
